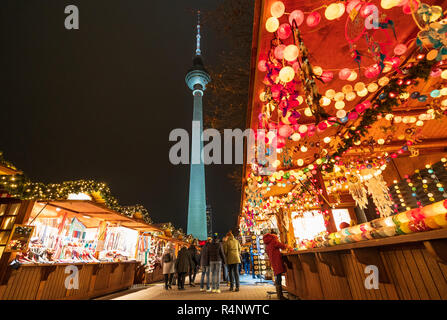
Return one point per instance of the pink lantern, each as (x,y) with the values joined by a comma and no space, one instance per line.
(313,19)
(360,108)
(435,72)
(353,115)
(296,66)
(367,10)
(400,49)
(285,131)
(407,8)
(262,65)
(280,142)
(297,16)
(344,73)
(327,76)
(353,4)
(284,31)
(395,61)
(372,71)
(279,52)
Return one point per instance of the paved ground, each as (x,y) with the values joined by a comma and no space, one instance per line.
(249,290)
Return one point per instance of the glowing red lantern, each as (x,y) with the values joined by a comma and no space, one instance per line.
(279,52)
(285,131)
(284,31)
(297,16)
(313,19)
(327,76)
(344,73)
(262,66)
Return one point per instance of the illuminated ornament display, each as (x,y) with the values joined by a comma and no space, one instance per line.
(286,74)
(297,16)
(291,52)
(272,24)
(313,19)
(334,11)
(277,9)
(344,74)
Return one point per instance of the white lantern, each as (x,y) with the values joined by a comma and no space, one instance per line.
(272,24)
(286,74)
(291,52)
(277,9)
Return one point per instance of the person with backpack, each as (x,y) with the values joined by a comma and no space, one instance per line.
(232,250)
(182,266)
(167,262)
(193,269)
(216,258)
(205,265)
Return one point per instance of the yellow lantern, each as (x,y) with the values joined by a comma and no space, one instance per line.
(444,74)
(346,88)
(286,74)
(388,4)
(272,24)
(359,86)
(362,93)
(350,96)
(318,70)
(277,9)
(330,93)
(372,87)
(308,112)
(334,11)
(339,96)
(339,105)
(383,81)
(291,52)
(352,76)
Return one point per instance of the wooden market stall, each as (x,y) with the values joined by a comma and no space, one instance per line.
(356,185)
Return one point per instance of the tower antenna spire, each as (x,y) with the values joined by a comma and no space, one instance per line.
(198,52)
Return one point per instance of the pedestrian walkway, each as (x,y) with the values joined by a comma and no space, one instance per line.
(249,290)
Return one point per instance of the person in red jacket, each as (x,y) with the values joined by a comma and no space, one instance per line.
(273,247)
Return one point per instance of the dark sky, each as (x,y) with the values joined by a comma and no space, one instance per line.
(99,102)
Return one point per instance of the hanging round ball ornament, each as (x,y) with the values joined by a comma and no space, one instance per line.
(279,51)
(327,76)
(344,74)
(277,9)
(297,16)
(291,52)
(284,31)
(272,24)
(334,11)
(313,19)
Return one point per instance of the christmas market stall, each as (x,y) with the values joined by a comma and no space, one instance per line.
(348,103)
(70,240)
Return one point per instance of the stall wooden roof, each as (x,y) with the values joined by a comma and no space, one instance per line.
(85,210)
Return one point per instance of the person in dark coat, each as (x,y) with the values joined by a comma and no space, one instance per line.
(205,265)
(182,266)
(216,257)
(246,261)
(273,246)
(193,269)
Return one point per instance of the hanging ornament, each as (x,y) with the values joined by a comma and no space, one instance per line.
(357,191)
(379,192)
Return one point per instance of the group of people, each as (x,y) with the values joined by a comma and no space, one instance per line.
(215,255)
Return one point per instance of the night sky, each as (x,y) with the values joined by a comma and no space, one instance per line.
(99,102)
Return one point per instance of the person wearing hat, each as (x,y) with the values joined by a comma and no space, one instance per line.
(272,248)
(205,265)
(216,257)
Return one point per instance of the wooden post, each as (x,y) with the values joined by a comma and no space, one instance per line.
(330,226)
(102,228)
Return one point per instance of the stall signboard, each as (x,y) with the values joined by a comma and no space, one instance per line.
(19,238)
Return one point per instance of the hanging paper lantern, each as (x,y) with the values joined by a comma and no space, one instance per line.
(353,115)
(435,93)
(313,19)
(327,76)
(303,149)
(291,52)
(372,71)
(296,136)
(339,96)
(272,24)
(262,66)
(286,74)
(284,31)
(347,88)
(365,11)
(344,73)
(339,105)
(362,93)
(359,86)
(302,128)
(317,70)
(322,126)
(297,16)
(300,162)
(285,131)
(372,87)
(388,4)
(341,113)
(279,52)
(444,74)
(325,101)
(308,112)
(330,93)
(277,9)
(383,81)
(350,96)
(400,49)
(334,11)
(353,76)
